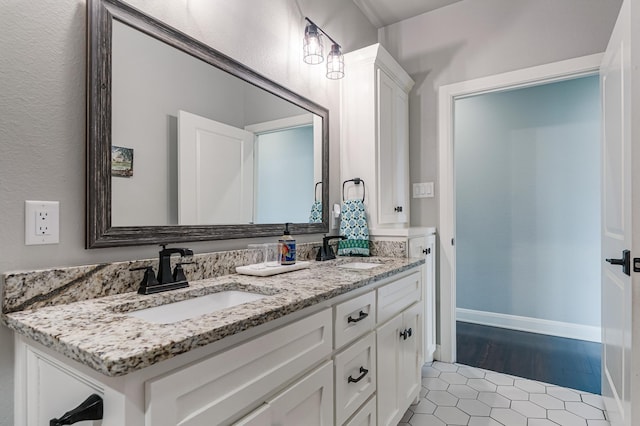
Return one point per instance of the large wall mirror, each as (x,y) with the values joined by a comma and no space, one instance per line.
(187,144)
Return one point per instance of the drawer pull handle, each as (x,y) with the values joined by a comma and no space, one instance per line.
(362,315)
(91,409)
(363,372)
(406,333)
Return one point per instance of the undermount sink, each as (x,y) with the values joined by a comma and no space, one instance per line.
(359,265)
(191,308)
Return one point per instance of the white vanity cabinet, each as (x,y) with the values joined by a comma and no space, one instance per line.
(375,134)
(399,348)
(341,362)
(307,402)
(50,388)
(213,391)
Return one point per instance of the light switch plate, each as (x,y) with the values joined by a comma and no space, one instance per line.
(423,190)
(42,222)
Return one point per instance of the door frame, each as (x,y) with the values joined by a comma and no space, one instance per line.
(447,94)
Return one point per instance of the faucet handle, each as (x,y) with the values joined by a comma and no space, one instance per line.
(178,274)
(149,278)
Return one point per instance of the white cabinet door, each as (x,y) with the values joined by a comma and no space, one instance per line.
(411,356)
(389,359)
(425,245)
(393,152)
(399,355)
(309,402)
(51,390)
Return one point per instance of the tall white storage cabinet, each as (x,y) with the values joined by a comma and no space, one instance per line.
(375,134)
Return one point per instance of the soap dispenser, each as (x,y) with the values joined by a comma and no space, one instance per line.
(287,247)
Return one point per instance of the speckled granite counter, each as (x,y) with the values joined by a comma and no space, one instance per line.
(99,334)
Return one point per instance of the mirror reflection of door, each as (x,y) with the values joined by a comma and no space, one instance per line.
(268,174)
(284,188)
(210,152)
(285,170)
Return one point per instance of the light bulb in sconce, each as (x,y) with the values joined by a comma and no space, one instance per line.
(335,63)
(312,45)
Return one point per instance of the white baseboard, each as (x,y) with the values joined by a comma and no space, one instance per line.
(533,325)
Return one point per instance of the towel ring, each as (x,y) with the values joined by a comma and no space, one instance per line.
(315,191)
(357,181)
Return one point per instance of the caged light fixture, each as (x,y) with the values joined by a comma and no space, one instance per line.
(313,51)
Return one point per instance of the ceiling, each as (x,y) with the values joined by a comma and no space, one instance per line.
(385,12)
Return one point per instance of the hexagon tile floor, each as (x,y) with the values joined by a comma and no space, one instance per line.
(454,394)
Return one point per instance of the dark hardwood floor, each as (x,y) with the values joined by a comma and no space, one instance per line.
(565,362)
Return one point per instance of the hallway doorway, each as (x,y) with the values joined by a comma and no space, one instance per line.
(527,197)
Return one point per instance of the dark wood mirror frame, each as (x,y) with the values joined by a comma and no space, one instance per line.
(99,232)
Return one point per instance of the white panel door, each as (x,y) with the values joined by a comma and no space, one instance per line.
(215,172)
(615,78)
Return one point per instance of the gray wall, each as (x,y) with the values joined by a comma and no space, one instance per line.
(476,38)
(42,111)
(528,202)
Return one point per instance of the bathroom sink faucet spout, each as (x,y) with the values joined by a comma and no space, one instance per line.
(164,265)
(166,280)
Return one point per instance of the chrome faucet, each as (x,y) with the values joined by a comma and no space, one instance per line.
(166,279)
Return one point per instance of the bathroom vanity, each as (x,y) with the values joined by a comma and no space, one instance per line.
(338,343)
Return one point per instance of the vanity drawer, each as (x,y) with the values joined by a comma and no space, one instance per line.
(354,318)
(355,377)
(394,297)
(216,389)
(366,416)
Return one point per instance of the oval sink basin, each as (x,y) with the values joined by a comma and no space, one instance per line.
(191,308)
(359,265)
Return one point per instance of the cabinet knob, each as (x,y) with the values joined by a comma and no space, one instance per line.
(398,209)
(427,250)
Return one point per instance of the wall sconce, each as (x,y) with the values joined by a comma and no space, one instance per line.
(313,51)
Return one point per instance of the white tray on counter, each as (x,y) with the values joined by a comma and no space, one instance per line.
(272,268)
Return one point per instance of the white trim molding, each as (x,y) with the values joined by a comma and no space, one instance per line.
(447,94)
(531,325)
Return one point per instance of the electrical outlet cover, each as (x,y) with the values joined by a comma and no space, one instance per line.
(42,222)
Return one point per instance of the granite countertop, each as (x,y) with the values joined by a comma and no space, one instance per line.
(100,334)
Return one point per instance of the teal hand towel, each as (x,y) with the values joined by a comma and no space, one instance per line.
(316,212)
(354,227)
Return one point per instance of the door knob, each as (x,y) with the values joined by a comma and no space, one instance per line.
(625,262)
(398,209)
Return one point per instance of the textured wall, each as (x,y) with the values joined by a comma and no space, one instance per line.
(42,110)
